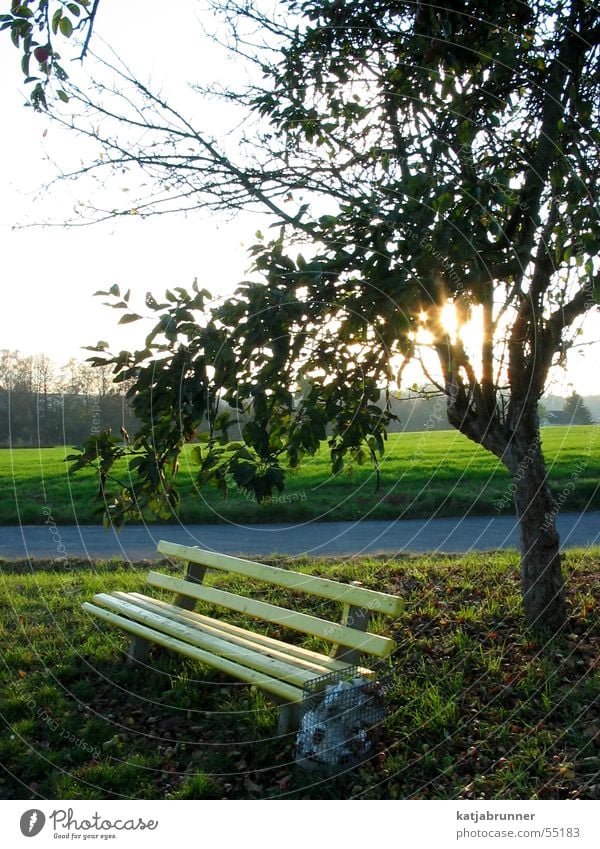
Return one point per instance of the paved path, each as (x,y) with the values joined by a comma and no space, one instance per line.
(312,538)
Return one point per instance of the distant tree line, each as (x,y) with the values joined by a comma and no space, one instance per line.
(574,411)
(43,404)
(577,410)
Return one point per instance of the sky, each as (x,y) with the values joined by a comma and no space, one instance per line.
(50,273)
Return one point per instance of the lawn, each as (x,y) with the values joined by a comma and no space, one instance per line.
(477,708)
(422,475)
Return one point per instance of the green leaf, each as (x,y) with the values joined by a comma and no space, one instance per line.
(62,96)
(127,319)
(243,473)
(66,27)
(38,97)
(222,420)
(337,464)
(99,346)
(327,220)
(56,20)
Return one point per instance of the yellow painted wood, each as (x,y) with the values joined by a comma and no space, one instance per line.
(322,587)
(245,655)
(331,631)
(297,655)
(242,638)
(282,690)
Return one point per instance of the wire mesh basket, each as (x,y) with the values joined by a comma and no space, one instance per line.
(341,717)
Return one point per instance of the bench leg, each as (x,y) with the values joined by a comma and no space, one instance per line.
(139,649)
(195,575)
(289,719)
(357,618)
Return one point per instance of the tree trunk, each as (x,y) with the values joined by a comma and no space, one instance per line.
(541,575)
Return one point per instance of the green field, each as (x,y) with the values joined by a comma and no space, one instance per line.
(477,709)
(422,475)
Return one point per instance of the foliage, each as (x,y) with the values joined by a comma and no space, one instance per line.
(455,175)
(34,27)
(576,408)
(190,369)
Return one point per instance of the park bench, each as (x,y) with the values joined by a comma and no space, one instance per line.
(278,667)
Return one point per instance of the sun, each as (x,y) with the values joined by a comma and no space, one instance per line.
(469,332)
(449,318)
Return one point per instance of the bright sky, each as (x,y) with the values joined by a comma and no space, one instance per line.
(51,273)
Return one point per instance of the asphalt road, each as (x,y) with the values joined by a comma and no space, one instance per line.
(133,543)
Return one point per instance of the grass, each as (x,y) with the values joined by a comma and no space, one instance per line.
(423,475)
(477,708)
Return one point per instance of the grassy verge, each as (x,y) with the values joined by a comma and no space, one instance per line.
(477,708)
(422,475)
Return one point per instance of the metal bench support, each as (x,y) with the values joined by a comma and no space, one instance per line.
(139,648)
(357,618)
(289,718)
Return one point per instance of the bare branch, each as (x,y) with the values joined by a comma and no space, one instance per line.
(90,28)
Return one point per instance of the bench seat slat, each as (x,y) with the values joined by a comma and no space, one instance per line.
(323,587)
(281,689)
(246,655)
(321,664)
(332,631)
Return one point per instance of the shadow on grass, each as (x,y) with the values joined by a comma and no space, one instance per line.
(477,708)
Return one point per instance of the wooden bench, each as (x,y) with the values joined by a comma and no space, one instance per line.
(279,668)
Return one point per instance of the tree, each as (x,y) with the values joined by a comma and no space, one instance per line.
(574,405)
(34,27)
(19,407)
(39,407)
(437,164)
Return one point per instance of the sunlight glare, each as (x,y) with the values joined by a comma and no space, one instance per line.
(449,318)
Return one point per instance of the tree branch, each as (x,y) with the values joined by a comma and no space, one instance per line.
(88,37)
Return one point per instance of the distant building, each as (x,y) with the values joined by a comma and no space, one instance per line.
(559,417)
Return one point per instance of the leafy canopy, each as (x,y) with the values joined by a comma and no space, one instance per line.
(413,157)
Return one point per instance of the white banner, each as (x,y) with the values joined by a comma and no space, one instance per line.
(300,825)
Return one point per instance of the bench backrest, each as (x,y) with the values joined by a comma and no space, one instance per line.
(334,632)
